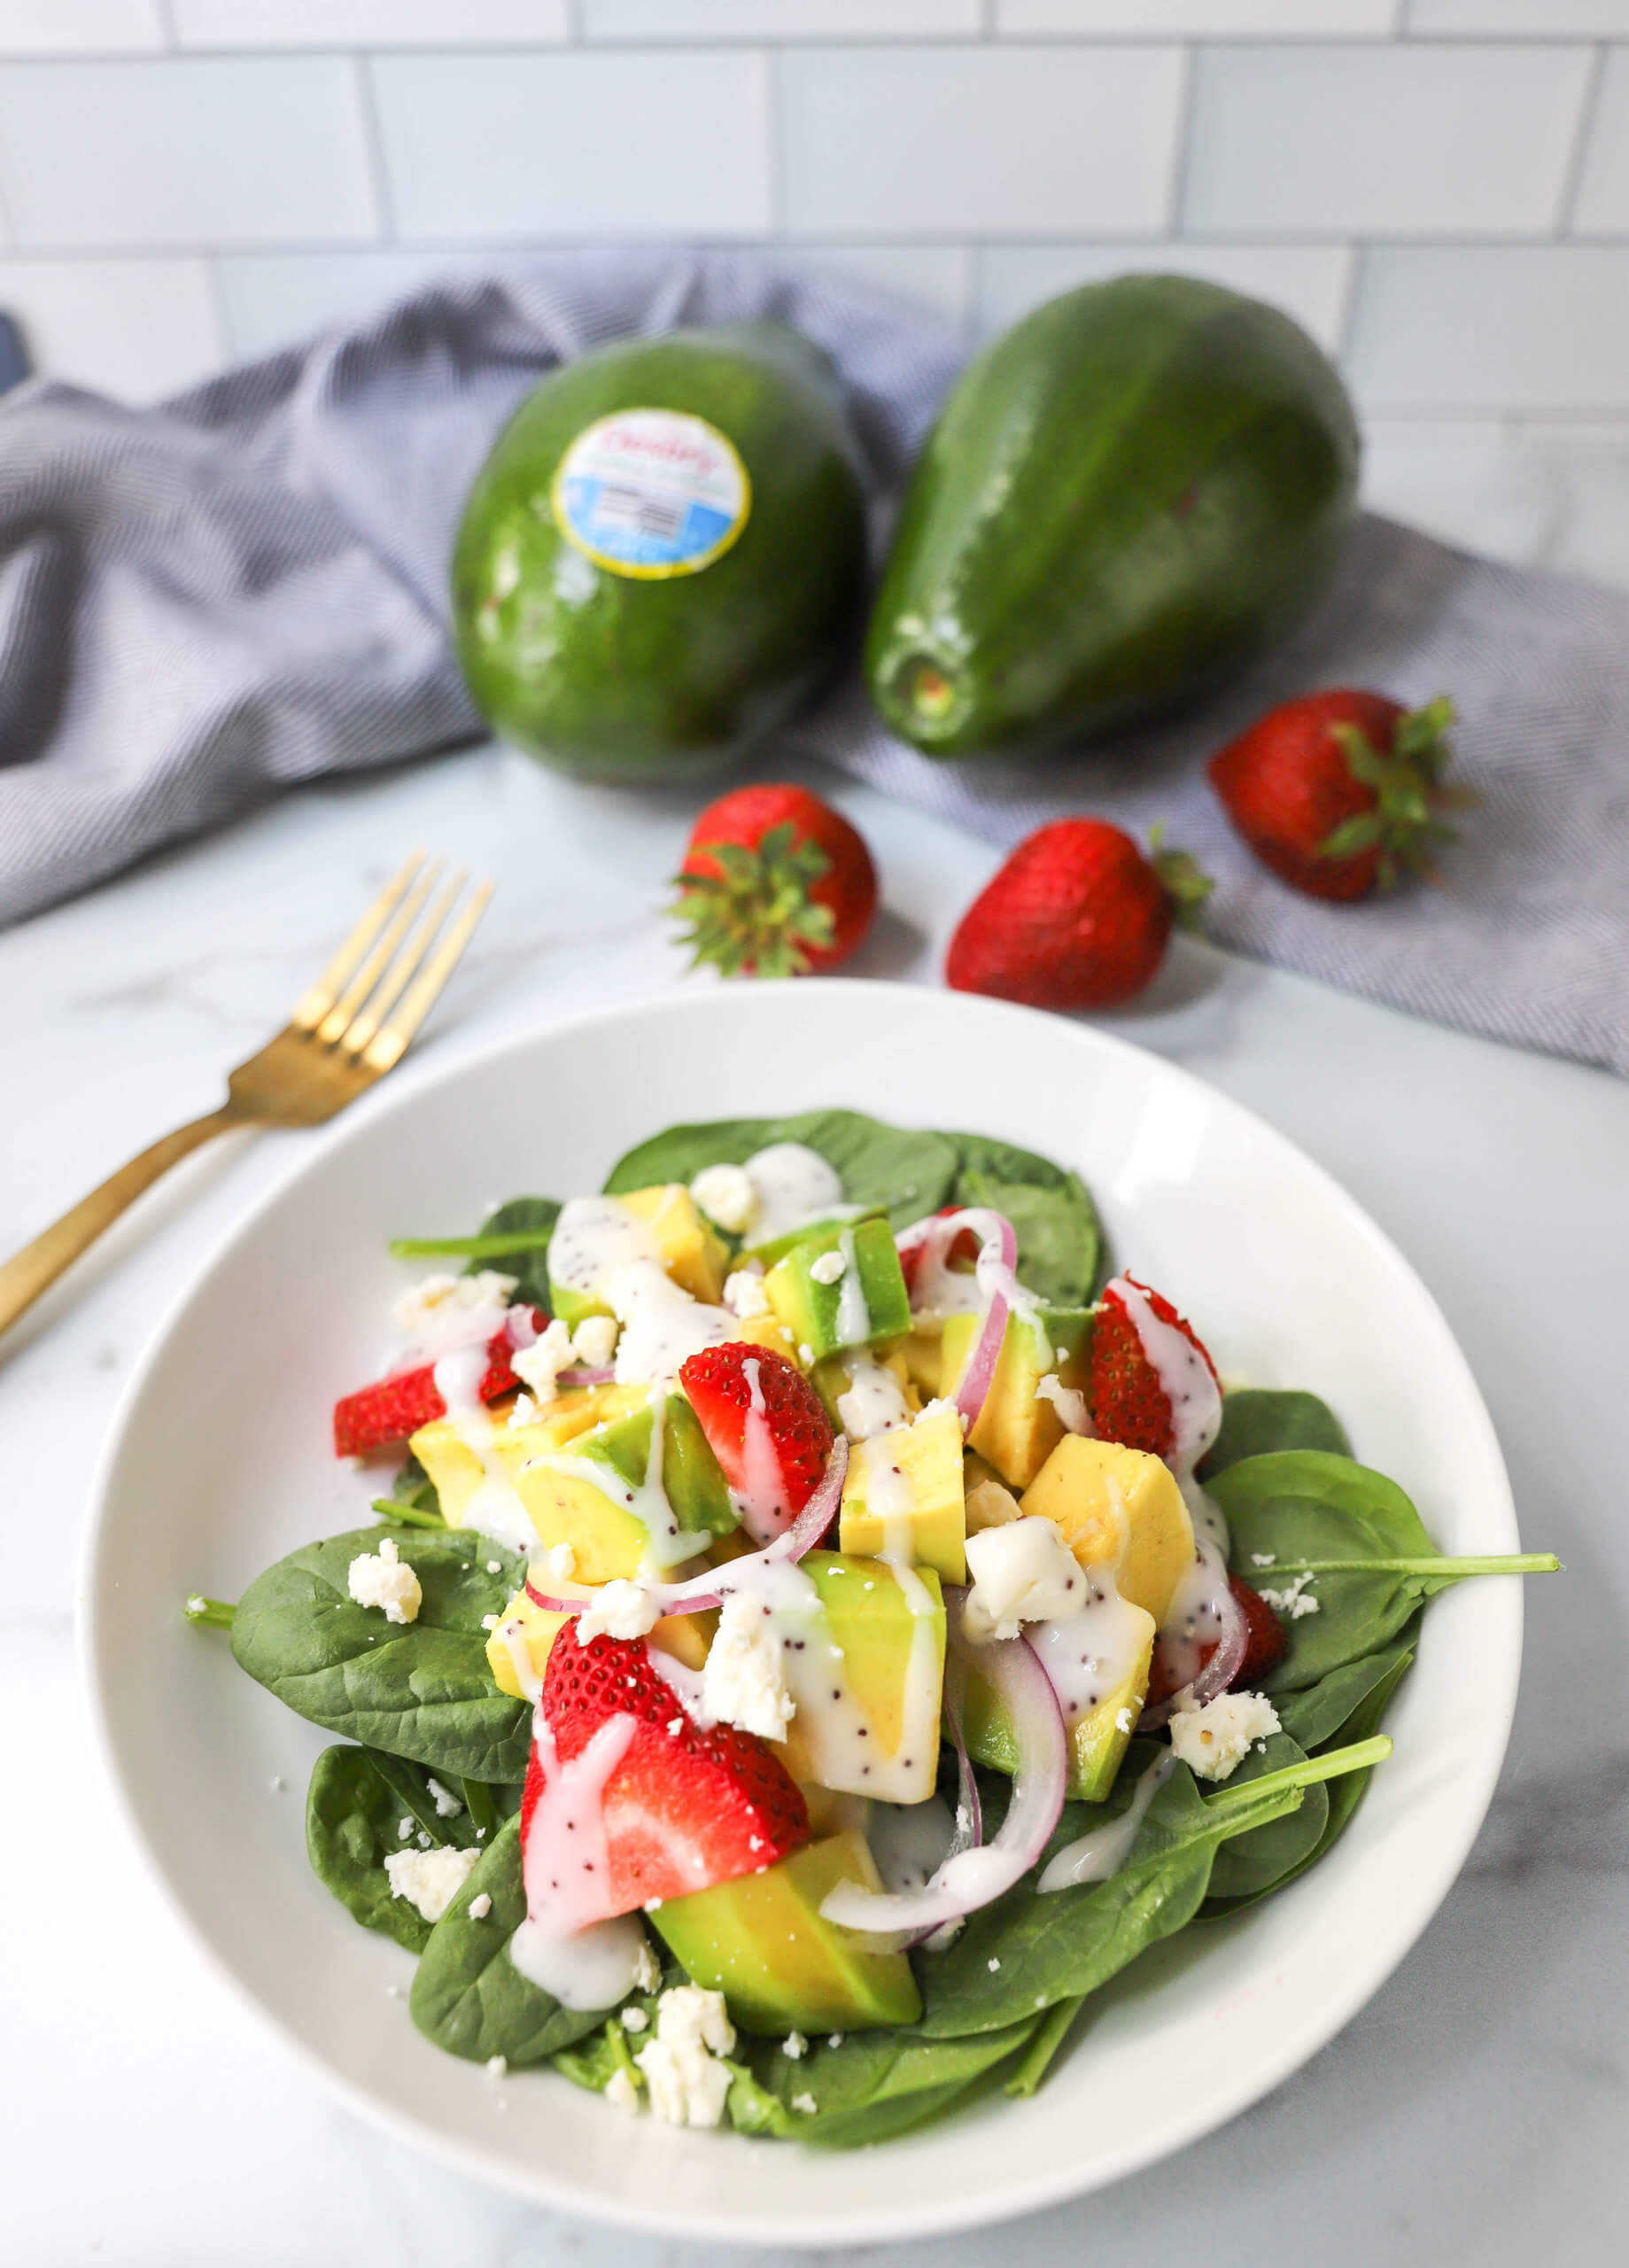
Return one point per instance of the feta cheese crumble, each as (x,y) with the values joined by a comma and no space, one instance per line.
(447,1807)
(559,1563)
(682,2066)
(990,1505)
(621,2092)
(620,1609)
(743,1291)
(384,1579)
(497,2067)
(539,1366)
(795,2047)
(524,1411)
(635,2020)
(1022,1571)
(806,2103)
(440,1307)
(593,1342)
(1214,1741)
(429,1880)
(828,1267)
(743,1680)
(1294,1600)
(480,1908)
(647,1967)
(1262,1558)
(726,1195)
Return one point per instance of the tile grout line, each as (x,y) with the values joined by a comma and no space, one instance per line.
(1578,157)
(1177,188)
(373,141)
(775,136)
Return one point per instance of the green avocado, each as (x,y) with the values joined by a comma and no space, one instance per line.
(1126,499)
(619,624)
(761,1942)
(692,1477)
(865,1302)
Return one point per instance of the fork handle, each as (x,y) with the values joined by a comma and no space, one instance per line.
(29,1272)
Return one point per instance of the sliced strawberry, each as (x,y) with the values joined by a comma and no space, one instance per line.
(391,1408)
(1129,1403)
(1265,1645)
(963,1247)
(682,1808)
(765,1424)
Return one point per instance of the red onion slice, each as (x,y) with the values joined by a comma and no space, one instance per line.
(585,1377)
(971,1878)
(1219,1667)
(998,1286)
(712,1589)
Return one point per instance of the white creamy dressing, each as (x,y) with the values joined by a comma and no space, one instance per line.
(518,1648)
(1198,1610)
(874,1401)
(662,1324)
(667,1545)
(853,1320)
(1095,1856)
(794,1186)
(495,1509)
(761,1500)
(585,1964)
(1088,1654)
(594,1237)
(889,1497)
(441,1314)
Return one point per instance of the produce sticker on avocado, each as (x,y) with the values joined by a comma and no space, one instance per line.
(651,493)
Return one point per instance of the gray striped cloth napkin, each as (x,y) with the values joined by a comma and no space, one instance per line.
(244,588)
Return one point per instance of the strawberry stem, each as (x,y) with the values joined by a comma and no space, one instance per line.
(1404,821)
(1185,883)
(755,916)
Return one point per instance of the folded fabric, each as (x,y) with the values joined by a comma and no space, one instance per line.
(246,587)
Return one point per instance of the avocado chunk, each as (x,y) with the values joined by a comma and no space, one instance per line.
(1016,1430)
(1121,1509)
(526,1632)
(902,1494)
(761,1942)
(581,1476)
(774,1248)
(865,1302)
(1098,1734)
(679,1237)
(864,1660)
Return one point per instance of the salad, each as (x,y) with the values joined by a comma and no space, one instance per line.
(825,1621)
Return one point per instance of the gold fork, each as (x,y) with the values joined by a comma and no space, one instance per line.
(351,1026)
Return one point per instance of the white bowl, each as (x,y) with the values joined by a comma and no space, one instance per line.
(220,1462)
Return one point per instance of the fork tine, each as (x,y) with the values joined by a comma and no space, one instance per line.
(318,999)
(394,982)
(362,984)
(389,1044)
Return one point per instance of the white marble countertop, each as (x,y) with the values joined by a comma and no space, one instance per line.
(1476,2109)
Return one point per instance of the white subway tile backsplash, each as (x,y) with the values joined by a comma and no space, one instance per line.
(654,20)
(1601,207)
(194,151)
(1489,19)
(1197,19)
(978,141)
(1471,327)
(137,329)
(1556,494)
(80,26)
(608,144)
(369,23)
(1309,282)
(1384,140)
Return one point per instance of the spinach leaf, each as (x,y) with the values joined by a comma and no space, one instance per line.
(1056,1224)
(1251,1864)
(1031,1949)
(422,1689)
(874,2085)
(533,1217)
(1257,1419)
(1296,1511)
(1344,1794)
(354,1818)
(1318,1713)
(468,1996)
(909,1172)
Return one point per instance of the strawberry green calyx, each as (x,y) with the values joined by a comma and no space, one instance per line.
(754,915)
(1185,883)
(1405,822)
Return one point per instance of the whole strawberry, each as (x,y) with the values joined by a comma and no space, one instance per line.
(1341,792)
(1077,918)
(774,883)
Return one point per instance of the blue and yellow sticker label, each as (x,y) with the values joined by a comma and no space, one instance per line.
(651,492)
